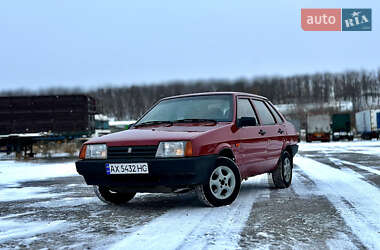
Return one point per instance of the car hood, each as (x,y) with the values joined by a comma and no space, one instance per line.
(154,134)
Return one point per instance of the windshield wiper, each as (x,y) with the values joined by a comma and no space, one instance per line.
(195,120)
(152,123)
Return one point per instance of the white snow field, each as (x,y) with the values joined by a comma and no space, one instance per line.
(49,206)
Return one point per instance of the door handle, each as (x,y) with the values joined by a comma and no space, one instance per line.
(280,131)
(262,132)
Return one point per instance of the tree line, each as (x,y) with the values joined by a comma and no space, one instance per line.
(362,88)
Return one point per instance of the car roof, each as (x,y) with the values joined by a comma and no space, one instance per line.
(217,93)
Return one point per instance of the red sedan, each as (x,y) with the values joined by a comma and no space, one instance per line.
(209,142)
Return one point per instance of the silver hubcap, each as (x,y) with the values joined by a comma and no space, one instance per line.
(287,169)
(222,182)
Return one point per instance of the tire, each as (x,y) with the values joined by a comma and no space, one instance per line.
(282,175)
(223,184)
(111,197)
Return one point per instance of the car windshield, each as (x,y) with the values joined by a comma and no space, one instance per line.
(203,108)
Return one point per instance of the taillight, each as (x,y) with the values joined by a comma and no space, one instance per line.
(82,154)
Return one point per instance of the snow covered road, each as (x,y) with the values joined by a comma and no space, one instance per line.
(334,202)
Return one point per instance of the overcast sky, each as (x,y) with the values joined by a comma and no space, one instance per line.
(90,43)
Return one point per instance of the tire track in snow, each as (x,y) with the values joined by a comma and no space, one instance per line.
(356,200)
(341,162)
(199,227)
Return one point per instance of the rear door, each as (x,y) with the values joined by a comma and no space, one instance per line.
(274,132)
(252,147)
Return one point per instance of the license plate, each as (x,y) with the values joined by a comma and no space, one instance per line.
(127,168)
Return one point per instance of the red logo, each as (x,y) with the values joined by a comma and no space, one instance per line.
(321,19)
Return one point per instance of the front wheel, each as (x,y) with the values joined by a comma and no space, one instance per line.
(223,184)
(109,196)
(282,175)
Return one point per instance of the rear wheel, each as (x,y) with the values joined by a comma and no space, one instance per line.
(282,175)
(223,184)
(109,196)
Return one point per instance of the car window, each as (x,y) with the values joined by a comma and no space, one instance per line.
(276,115)
(216,107)
(264,113)
(244,109)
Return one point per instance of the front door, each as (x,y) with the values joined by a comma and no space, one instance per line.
(251,145)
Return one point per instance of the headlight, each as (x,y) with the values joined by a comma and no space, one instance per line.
(96,151)
(174,149)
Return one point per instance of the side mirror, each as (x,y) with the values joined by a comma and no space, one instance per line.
(246,121)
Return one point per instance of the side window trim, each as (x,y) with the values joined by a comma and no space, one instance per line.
(270,111)
(275,110)
(256,113)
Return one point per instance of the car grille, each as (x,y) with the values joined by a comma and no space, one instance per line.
(131,152)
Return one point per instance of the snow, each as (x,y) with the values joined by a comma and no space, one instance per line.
(361,147)
(197,227)
(356,200)
(12,229)
(289,108)
(101,117)
(23,135)
(49,155)
(13,172)
(264,235)
(67,202)
(340,162)
(341,241)
(121,123)
(15,215)
(25,193)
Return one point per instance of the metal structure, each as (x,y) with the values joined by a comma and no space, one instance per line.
(26,120)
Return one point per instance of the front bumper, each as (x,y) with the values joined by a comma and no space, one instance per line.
(170,172)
